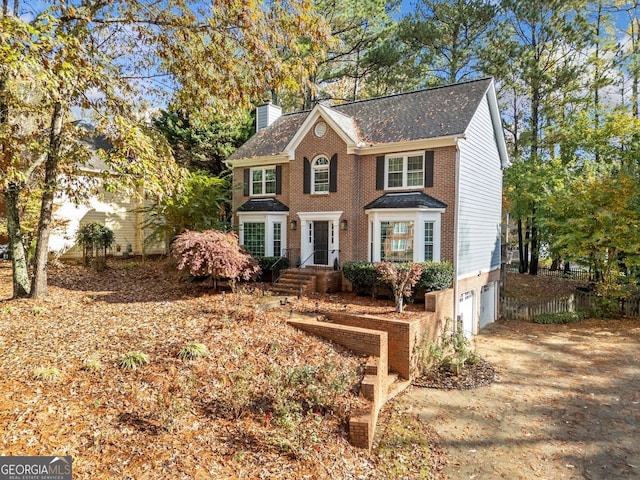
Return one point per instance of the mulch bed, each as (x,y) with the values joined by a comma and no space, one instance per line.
(472,376)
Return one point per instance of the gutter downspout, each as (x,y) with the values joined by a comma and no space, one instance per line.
(456,220)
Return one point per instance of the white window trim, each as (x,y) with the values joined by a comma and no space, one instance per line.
(264,181)
(405,170)
(269,219)
(306,237)
(315,167)
(418,217)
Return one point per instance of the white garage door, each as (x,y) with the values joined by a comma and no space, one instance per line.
(466,313)
(487,304)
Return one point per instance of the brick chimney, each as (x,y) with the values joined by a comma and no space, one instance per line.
(266,114)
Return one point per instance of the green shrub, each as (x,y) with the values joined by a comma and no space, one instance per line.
(436,276)
(269,263)
(362,275)
(558,318)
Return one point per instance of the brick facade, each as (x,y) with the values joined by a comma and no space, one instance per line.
(356,187)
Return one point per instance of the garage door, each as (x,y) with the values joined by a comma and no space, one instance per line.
(487,304)
(466,312)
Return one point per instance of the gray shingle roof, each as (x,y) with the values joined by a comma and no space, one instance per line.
(263,205)
(405,200)
(431,113)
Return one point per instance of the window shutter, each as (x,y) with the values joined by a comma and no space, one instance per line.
(428,169)
(278,179)
(380,173)
(306,182)
(246,182)
(333,173)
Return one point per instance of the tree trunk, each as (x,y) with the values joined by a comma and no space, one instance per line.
(39,285)
(522,263)
(16,245)
(535,247)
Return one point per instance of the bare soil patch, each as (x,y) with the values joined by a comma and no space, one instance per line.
(538,287)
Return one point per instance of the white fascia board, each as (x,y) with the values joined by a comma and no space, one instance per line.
(397,147)
(312,216)
(319,111)
(496,119)
(257,161)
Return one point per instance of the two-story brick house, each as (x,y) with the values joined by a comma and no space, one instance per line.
(408,177)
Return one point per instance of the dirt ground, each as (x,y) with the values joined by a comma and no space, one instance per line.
(566,404)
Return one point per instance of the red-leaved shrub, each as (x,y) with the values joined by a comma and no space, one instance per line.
(401,277)
(214,253)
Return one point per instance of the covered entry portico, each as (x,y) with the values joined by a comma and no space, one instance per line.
(319,238)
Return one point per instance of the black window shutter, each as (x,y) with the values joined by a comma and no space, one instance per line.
(428,169)
(246,182)
(278,179)
(380,173)
(306,182)
(333,173)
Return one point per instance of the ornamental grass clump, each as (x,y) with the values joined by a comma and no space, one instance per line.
(50,374)
(133,360)
(193,351)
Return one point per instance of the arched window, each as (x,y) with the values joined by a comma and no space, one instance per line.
(320,175)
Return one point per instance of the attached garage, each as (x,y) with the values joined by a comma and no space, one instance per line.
(487,304)
(467,312)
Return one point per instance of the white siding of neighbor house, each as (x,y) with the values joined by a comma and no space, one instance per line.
(480,197)
(114,211)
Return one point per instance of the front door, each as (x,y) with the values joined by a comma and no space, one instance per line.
(321,243)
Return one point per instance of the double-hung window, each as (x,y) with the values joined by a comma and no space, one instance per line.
(428,241)
(405,171)
(263,181)
(320,175)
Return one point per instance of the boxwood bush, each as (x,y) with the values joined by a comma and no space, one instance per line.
(267,264)
(363,276)
(436,276)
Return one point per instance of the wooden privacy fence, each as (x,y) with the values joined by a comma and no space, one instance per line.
(516,309)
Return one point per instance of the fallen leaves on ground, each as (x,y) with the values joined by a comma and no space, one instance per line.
(267,402)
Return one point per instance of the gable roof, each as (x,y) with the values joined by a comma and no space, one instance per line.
(421,115)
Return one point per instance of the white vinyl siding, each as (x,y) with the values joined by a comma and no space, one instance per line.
(116,212)
(480,197)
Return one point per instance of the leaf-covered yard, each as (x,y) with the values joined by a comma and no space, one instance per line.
(267,401)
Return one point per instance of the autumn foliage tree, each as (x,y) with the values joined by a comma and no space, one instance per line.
(401,278)
(216,254)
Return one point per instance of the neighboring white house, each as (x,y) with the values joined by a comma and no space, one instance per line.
(116,211)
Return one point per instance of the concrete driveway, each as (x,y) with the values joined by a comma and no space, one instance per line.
(566,404)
